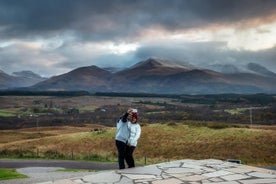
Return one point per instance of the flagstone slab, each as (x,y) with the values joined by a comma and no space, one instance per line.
(124,180)
(183,170)
(65,181)
(210,161)
(215,179)
(78,181)
(223,166)
(102,177)
(217,174)
(168,181)
(139,176)
(223,182)
(262,175)
(190,165)
(180,175)
(169,164)
(257,169)
(152,169)
(258,181)
(234,177)
(239,169)
(192,178)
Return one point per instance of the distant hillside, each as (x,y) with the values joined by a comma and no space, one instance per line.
(85,78)
(5,80)
(249,68)
(157,76)
(224,68)
(19,79)
(259,69)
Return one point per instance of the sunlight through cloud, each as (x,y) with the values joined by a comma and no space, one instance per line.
(122,48)
(254,39)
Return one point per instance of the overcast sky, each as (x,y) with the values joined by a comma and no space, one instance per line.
(51,37)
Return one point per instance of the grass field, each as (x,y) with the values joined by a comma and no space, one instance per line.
(6,174)
(5,113)
(158,143)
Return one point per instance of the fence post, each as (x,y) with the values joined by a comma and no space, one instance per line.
(145,159)
(21,152)
(72,154)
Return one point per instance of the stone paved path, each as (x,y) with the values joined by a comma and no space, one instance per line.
(180,172)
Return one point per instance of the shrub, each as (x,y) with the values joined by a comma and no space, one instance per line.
(171,124)
(217,125)
(53,154)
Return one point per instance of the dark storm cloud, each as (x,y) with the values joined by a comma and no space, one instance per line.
(54,36)
(115,19)
(40,17)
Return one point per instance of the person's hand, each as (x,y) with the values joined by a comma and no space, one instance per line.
(129,110)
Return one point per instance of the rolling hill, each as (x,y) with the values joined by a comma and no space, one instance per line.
(84,78)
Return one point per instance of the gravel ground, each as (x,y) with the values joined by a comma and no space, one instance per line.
(46,170)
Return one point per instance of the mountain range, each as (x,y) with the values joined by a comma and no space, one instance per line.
(154,76)
(19,79)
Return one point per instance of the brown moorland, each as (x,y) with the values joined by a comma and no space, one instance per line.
(159,142)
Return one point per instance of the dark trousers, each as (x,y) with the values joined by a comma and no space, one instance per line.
(125,153)
(121,148)
(129,156)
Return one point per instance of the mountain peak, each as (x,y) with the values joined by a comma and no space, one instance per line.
(27,74)
(157,62)
(260,69)
(149,63)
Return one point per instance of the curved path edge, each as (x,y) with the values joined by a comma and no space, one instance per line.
(68,164)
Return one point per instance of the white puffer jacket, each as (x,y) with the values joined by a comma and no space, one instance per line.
(134,133)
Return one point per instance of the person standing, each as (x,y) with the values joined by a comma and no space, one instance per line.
(122,135)
(135,132)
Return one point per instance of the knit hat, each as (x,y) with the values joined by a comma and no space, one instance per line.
(135,115)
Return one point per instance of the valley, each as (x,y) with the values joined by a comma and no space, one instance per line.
(105,108)
(173,127)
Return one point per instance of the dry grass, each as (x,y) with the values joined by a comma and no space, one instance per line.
(11,136)
(159,142)
(176,142)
